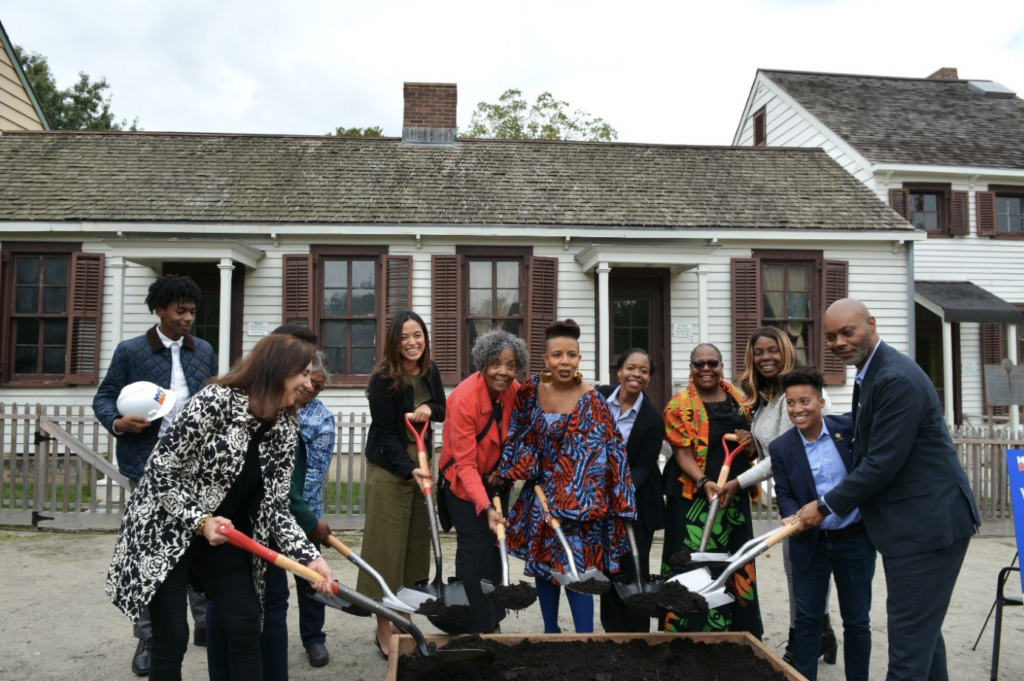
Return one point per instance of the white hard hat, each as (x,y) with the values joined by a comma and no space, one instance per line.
(145,399)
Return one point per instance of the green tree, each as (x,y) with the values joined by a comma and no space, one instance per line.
(84,106)
(546,119)
(342,131)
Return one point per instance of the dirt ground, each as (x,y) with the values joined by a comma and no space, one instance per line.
(56,623)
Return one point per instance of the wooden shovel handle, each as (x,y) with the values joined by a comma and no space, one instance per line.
(499,529)
(731,437)
(239,540)
(552,520)
(338,545)
(426,485)
(782,534)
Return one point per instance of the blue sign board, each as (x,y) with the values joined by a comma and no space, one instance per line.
(1015,467)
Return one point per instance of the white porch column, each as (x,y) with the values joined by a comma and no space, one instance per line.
(224,347)
(702,306)
(604,337)
(1011,354)
(117,266)
(947,371)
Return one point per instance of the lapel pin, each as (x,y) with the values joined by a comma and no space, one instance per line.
(839,437)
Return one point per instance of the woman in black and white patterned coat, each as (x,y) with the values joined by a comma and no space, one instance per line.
(226,460)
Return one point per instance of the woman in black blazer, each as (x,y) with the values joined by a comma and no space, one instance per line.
(639,422)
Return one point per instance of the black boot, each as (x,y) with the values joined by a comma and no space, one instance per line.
(829,644)
(787,656)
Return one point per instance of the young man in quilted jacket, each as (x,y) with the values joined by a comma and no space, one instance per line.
(169,356)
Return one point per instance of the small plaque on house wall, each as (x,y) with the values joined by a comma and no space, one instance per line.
(1004,385)
(682,330)
(969,369)
(259,328)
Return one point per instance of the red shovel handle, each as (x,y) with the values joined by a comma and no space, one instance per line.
(421,451)
(723,476)
(239,540)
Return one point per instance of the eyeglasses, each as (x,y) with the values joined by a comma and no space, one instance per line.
(699,363)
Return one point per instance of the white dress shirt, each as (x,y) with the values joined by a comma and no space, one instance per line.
(179,386)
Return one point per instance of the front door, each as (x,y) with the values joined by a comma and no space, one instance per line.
(928,354)
(207,323)
(638,317)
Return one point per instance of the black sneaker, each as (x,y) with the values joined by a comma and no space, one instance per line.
(199,637)
(143,653)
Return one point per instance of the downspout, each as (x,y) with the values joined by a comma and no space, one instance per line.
(911,332)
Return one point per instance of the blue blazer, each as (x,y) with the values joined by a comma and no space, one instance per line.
(907,479)
(794,482)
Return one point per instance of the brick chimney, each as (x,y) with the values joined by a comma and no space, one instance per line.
(945,73)
(429,113)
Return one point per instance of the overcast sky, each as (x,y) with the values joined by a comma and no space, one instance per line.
(660,72)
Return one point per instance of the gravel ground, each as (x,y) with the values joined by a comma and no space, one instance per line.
(56,623)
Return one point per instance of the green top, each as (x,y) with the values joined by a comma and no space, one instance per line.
(306,519)
(421,394)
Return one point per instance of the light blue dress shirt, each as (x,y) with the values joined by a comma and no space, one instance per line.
(624,421)
(828,470)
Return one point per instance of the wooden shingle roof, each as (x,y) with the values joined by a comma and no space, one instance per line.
(912,120)
(169,177)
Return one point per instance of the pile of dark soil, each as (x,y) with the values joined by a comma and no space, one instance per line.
(594,587)
(680,559)
(451,619)
(514,596)
(672,596)
(680,659)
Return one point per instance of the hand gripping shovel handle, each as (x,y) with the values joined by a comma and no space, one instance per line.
(723,477)
(557,527)
(239,540)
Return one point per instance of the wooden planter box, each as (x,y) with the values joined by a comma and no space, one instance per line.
(404,645)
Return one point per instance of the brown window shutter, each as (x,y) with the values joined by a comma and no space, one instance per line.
(542,298)
(397,293)
(746,310)
(899,200)
(992,353)
(986,207)
(446,318)
(86,295)
(298,290)
(960,219)
(4,297)
(837,287)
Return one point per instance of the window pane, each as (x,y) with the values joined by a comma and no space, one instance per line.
(55,300)
(480,275)
(56,271)
(26,300)
(363,334)
(28,332)
(621,340)
(363,274)
(362,361)
(53,360)
(335,334)
(336,274)
(55,331)
(931,221)
(508,302)
(480,302)
(1002,223)
(512,326)
(640,339)
(28,270)
(363,300)
(26,360)
(640,313)
(622,312)
(508,275)
(799,304)
(337,360)
(335,302)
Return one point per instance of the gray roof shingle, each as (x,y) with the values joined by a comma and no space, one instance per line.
(912,120)
(274,179)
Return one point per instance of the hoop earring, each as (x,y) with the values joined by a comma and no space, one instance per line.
(546,376)
(578,377)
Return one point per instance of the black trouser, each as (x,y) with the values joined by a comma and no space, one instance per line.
(226,575)
(615,616)
(476,558)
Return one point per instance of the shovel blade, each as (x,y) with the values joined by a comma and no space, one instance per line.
(396,604)
(413,598)
(694,580)
(627,589)
(718,598)
(486,586)
(454,593)
(708,557)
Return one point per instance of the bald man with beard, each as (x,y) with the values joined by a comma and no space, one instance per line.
(908,483)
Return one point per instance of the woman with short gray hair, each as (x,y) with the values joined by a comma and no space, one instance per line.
(477,421)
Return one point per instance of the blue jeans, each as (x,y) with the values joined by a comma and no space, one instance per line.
(852,560)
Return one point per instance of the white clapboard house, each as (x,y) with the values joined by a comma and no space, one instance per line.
(643,244)
(948,155)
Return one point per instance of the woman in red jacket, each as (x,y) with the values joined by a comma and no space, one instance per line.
(477,420)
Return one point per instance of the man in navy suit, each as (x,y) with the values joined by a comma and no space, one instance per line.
(910,488)
(808,461)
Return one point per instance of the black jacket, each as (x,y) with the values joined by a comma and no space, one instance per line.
(388,436)
(642,451)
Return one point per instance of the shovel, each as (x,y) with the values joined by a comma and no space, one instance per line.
(485,584)
(639,585)
(726,557)
(408,600)
(453,593)
(699,581)
(569,581)
(722,478)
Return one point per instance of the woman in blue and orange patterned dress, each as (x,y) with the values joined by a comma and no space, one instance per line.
(695,421)
(563,438)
